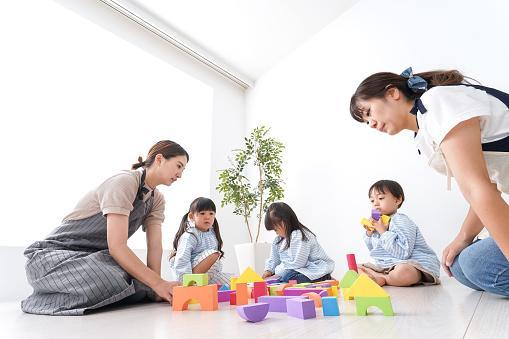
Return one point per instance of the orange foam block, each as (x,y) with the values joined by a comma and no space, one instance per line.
(205,295)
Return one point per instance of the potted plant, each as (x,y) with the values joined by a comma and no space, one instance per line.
(263,156)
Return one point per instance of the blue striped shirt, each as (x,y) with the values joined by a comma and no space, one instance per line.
(306,257)
(190,245)
(402,242)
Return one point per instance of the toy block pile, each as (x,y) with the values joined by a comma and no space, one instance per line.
(296,300)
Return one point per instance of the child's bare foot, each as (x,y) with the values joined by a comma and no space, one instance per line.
(375,276)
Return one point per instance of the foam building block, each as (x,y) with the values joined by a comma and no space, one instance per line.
(223,295)
(225,287)
(233,298)
(205,295)
(334,290)
(277,303)
(301,308)
(233,281)
(352,263)
(348,279)
(292,282)
(365,287)
(271,281)
(195,279)
(330,306)
(249,276)
(367,293)
(300,291)
(315,297)
(259,289)
(253,312)
(302,285)
(242,294)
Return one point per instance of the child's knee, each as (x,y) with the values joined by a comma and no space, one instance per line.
(408,273)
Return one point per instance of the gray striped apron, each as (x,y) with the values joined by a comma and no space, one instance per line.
(72,271)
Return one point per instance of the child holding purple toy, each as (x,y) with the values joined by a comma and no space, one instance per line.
(402,256)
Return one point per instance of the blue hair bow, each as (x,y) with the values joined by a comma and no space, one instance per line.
(414,82)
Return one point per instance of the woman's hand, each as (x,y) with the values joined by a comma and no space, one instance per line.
(164,289)
(451,251)
(267,274)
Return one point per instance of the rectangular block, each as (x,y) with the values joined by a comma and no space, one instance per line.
(330,306)
(223,295)
(233,298)
(299,291)
(277,303)
(190,279)
(259,289)
(242,294)
(301,308)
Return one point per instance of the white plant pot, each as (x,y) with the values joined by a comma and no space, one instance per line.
(252,255)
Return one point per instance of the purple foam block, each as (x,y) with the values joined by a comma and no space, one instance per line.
(293,291)
(375,214)
(223,295)
(301,308)
(272,281)
(277,303)
(253,312)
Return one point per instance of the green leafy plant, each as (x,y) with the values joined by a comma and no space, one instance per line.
(265,154)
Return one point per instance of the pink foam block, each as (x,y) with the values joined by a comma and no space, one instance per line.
(223,295)
(277,303)
(253,312)
(352,264)
(301,308)
(294,291)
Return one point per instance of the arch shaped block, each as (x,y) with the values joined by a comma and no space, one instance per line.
(206,296)
(253,312)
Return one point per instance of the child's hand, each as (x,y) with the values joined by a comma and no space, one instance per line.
(267,274)
(369,232)
(379,225)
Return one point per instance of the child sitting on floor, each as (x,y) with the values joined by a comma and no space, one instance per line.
(402,256)
(198,244)
(295,253)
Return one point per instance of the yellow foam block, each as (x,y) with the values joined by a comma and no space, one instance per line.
(365,287)
(248,276)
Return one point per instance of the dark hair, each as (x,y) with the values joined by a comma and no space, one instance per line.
(167,148)
(279,212)
(377,84)
(390,185)
(198,205)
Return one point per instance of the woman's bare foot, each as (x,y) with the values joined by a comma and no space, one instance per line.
(375,276)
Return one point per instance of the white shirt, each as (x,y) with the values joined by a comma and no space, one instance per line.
(447,106)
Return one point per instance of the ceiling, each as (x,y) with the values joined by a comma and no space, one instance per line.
(247,36)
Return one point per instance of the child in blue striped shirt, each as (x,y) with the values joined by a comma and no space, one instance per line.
(197,247)
(402,256)
(295,253)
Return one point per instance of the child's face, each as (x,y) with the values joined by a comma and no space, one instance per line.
(280,229)
(386,203)
(203,220)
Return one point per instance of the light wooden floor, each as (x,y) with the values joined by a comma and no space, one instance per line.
(446,311)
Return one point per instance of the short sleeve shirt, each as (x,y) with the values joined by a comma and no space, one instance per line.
(448,106)
(116,195)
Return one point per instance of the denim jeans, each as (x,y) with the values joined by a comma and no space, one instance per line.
(483,267)
(301,278)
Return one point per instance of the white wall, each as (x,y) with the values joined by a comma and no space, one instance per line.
(331,160)
(84,92)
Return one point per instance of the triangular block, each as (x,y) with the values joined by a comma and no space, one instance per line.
(348,279)
(249,276)
(365,287)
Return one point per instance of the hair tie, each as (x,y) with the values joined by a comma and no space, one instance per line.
(414,82)
(140,161)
